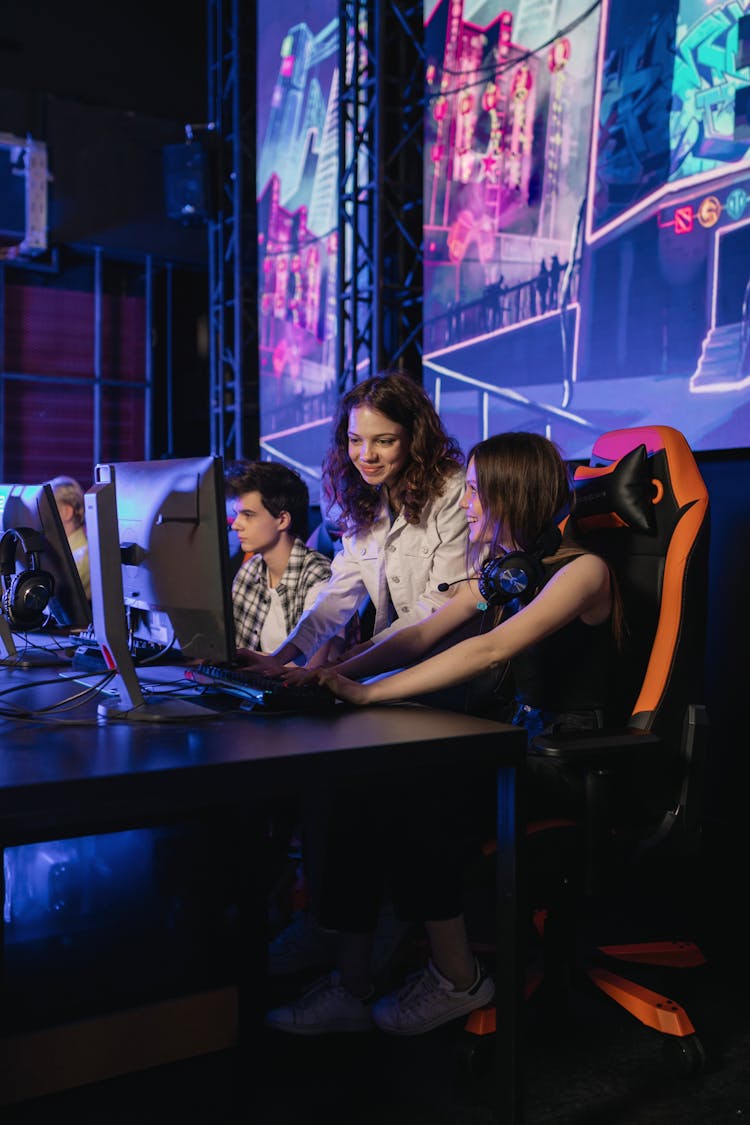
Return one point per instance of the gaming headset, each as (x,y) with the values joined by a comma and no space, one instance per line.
(25,595)
(519,574)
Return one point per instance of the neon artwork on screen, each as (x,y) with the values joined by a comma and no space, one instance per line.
(692,57)
(510,92)
(587,229)
(297,199)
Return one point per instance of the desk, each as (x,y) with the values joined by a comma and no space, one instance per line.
(58,780)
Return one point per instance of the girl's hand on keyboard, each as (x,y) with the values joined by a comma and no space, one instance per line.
(301,676)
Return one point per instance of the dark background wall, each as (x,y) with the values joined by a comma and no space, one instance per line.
(107,87)
(106,90)
(727,663)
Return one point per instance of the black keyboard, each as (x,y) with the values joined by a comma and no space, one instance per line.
(267,693)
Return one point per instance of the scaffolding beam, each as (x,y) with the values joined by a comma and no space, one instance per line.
(232,231)
(381,107)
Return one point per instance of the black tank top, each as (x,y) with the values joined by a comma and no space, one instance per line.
(571,670)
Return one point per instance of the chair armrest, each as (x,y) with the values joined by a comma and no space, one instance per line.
(594,747)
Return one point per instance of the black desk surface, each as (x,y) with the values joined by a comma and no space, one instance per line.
(83,769)
(80,775)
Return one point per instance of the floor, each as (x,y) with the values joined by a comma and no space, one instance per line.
(604,1070)
(598,1066)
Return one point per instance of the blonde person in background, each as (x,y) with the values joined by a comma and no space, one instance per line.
(69,496)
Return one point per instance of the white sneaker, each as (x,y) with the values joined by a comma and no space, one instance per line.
(428,1000)
(326,1007)
(302,945)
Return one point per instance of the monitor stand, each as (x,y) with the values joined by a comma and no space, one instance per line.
(110,626)
(27,658)
(8,650)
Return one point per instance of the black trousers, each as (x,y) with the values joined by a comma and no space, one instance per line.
(409,842)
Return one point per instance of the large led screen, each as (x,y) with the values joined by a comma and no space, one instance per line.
(586,182)
(297,197)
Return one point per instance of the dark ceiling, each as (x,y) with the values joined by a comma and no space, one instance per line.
(146,57)
(106,87)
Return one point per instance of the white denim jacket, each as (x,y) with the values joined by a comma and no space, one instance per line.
(404,559)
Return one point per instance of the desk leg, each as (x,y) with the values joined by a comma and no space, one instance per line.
(2,920)
(510,972)
(245,835)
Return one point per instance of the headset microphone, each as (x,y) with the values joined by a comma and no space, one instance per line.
(443,586)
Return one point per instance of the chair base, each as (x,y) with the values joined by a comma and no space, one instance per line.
(654,1010)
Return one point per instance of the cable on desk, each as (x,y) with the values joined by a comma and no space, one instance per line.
(35,720)
(26,646)
(161,687)
(72,701)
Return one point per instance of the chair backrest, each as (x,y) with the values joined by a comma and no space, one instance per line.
(642,503)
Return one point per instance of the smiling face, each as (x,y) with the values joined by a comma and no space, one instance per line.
(472,505)
(483,527)
(258,531)
(378,447)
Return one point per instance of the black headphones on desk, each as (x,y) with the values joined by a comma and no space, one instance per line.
(26,594)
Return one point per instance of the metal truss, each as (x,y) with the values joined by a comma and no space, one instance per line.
(381,107)
(232,230)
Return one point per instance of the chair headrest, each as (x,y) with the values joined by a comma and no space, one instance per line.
(617,495)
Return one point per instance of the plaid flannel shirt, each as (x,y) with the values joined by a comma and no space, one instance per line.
(251,599)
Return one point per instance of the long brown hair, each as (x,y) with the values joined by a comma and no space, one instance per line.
(525,487)
(434,456)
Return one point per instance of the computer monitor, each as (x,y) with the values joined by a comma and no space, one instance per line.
(159,571)
(33,506)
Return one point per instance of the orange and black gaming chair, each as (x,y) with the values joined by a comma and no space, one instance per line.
(643,505)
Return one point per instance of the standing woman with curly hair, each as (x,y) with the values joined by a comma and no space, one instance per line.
(397,478)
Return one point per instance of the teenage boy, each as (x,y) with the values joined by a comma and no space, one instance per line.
(280,576)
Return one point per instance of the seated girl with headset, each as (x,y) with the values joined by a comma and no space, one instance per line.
(557,628)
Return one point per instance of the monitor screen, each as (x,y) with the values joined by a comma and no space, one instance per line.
(172,528)
(33,506)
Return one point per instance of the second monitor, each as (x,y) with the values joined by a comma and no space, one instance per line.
(172,526)
(160,572)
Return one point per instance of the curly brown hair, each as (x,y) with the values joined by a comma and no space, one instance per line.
(433,454)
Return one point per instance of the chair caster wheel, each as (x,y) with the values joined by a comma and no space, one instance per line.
(685,1054)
